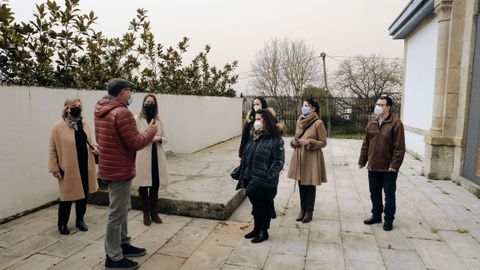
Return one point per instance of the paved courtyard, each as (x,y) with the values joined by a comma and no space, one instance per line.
(437,226)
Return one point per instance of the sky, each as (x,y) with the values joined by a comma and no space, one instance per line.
(236,30)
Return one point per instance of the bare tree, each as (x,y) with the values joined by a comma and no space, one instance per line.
(285,68)
(300,66)
(267,70)
(367,77)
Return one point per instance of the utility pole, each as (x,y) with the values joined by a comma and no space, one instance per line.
(329,127)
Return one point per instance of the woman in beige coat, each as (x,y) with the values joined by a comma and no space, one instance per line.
(151,162)
(71,161)
(307,165)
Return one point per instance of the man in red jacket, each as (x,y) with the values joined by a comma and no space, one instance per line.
(119,140)
(384,149)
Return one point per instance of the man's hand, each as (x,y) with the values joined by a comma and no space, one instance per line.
(95,150)
(57,175)
(157,139)
(391,170)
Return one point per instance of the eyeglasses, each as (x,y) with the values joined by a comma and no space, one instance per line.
(381,105)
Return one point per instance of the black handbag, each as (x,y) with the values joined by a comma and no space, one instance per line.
(236,172)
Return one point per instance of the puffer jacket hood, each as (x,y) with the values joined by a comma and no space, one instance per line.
(105,105)
(118,139)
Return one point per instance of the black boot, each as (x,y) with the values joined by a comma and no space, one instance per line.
(388,225)
(143,195)
(262,236)
(252,234)
(63,229)
(372,220)
(154,205)
(81,225)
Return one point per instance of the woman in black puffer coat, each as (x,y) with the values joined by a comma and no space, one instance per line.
(263,159)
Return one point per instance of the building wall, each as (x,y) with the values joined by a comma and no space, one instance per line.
(27,114)
(420,59)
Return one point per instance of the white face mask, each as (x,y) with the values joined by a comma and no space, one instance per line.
(378,110)
(130,100)
(258,125)
(256,108)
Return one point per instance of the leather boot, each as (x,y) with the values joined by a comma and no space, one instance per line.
(308,217)
(262,236)
(154,205)
(143,194)
(301,215)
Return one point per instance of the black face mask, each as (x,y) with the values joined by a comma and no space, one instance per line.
(75,111)
(150,110)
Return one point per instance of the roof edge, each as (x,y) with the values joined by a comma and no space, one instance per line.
(410,17)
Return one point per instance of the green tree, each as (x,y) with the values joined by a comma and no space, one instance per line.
(60,48)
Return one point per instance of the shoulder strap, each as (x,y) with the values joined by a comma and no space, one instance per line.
(305,130)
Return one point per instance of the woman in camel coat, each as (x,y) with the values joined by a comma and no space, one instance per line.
(71,161)
(151,162)
(307,165)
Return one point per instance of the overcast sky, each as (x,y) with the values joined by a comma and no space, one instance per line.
(238,29)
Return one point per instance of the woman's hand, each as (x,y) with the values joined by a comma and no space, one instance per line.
(295,142)
(157,139)
(302,142)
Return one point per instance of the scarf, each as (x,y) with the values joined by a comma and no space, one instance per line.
(306,122)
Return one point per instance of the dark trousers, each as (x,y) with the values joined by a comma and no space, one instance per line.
(307,197)
(64,210)
(262,212)
(388,182)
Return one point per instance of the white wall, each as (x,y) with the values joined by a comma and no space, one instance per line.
(27,114)
(415,143)
(420,50)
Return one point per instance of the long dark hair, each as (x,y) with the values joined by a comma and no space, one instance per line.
(269,123)
(142,114)
(264,106)
(313,104)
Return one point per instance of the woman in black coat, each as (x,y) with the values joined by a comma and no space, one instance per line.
(257,104)
(263,159)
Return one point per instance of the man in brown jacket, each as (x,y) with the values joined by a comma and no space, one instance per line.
(383,148)
(119,140)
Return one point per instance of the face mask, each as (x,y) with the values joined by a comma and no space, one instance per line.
(256,108)
(257,125)
(378,110)
(75,111)
(305,110)
(150,110)
(130,100)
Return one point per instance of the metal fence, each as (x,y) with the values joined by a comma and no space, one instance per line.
(344,118)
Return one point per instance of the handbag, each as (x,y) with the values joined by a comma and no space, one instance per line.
(236,172)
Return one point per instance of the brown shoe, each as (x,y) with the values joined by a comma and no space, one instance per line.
(308,217)
(300,216)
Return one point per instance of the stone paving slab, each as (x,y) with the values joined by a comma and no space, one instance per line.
(199,184)
(437,226)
